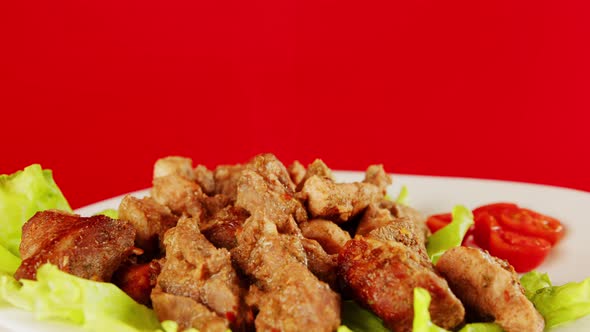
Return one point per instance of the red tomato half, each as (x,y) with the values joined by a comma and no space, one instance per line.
(523,221)
(534,224)
(484,224)
(523,252)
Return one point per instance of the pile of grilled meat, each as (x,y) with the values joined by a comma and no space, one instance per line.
(259,246)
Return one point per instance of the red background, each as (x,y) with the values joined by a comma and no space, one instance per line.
(98,90)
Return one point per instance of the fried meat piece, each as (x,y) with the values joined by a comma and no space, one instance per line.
(375,216)
(226,179)
(301,303)
(150,220)
(222,227)
(270,251)
(321,264)
(317,168)
(490,287)
(180,195)
(382,276)
(338,201)
(287,296)
(186,312)
(137,280)
(296,172)
(205,179)
(378,223)
(404,231)
(91,248)
(195,269)
(329,235)
(404,211)
(180,166)
(268,198)
(376,175)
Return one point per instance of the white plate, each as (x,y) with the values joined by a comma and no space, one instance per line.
(567,262)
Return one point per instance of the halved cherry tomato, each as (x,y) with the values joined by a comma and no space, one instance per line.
(523,221)
(527,222)
(438,221)
(495,208)
(484,223)
(523,252)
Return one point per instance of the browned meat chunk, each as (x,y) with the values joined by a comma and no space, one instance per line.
(195,269)
(321,264)
(205,179)
(404,211)
(405,232)
(150,220)
(180,166)
(287,295)
(270,251)
(382,276)
(226,180)
(490,287)
(296,172)
(338,201)
(301,303)
(183,167)
(375,216)
(214,204)
(186,312)
(91,248)
(385,211)
(137,280)
(376,175)
(268,199)
(317,168)
(329,235)
(221,229)
(178,194)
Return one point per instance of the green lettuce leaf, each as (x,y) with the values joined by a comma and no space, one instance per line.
(481,327)
(557,304)
(451,235)
(22,194)
(402,198)
(533,281)
(8,262)
(423,323)
(359,319)
(96,306)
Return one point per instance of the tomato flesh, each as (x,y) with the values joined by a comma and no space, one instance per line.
(523,252)
(521,236)
(534,224)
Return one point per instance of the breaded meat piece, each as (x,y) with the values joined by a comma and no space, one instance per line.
(490,287)
(137,280)
(338,201)
(382,276)
(186,312)
(150,220)
(376,175)
(91,248)
(329,235)
(180,195)
(195,269)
